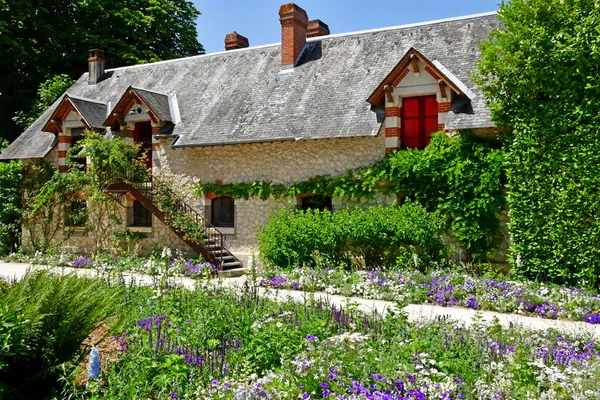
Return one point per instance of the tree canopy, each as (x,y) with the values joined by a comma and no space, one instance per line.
(40,39)
(541,74)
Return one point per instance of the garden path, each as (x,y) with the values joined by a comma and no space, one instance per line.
(415,312)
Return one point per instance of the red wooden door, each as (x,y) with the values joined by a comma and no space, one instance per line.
(143,134)
(419,121)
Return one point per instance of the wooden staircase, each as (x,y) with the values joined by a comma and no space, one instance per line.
(211,247)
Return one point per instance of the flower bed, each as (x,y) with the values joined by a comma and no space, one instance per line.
(446,288)
(162,263)
(220,345)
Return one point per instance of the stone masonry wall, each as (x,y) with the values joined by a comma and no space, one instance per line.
(281,162)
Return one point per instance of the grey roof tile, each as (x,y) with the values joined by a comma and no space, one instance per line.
(94,112)
(158,102)
(244,96)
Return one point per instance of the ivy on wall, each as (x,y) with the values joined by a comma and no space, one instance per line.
(461,177)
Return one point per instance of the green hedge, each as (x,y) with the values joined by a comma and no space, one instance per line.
(540,73)
(381,236)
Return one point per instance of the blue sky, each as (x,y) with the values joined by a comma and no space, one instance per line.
(259,20)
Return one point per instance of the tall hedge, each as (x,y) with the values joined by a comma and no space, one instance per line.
(541,74)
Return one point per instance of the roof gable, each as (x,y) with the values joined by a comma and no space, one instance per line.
(92,113)
(440,73)
(158,105)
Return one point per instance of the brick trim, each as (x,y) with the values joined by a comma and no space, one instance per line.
(392,112)
(444,107)
(401,77)
(392,132)
(432,73)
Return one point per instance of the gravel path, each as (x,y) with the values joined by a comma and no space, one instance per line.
(415,312)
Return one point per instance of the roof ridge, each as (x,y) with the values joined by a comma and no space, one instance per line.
(411,25)
(71,96)
(148,90)
(309,40)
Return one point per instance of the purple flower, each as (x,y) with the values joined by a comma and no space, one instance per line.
(82,262)
(311,338)
(172,395)
(324,385)
(592,318)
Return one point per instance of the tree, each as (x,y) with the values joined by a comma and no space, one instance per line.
(48,93)
(11,177)
(40,39)
(541,75)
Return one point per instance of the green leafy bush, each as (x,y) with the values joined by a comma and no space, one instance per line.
(43,322)
(540,74)
(11,178)
(379,236)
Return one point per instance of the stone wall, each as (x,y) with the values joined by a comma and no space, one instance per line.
(280,162)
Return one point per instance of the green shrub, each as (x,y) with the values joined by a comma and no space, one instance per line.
(540,75)
(11,177)
(294,237)
(44,320)
(379,236)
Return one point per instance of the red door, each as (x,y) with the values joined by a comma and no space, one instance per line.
(419,121)
(143,134)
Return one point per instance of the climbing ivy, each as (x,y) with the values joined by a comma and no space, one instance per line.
(112,160)
(461,177)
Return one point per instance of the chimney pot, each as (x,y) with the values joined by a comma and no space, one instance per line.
(96,66)
(316,28)
(294,23)
(235,41)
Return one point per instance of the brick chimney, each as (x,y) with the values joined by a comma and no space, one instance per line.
(235,41)
(96,66)
(294,23)
(316,27)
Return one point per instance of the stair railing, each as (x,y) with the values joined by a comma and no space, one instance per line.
(213,239)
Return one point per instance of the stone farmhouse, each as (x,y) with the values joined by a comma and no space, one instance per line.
(314,104)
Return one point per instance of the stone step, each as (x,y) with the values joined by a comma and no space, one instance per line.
(233,273)
(231,264)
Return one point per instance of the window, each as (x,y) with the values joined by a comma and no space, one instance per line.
(419,121)
(317,202)
(76,137)
(223,212)
(77,214)
(142,218)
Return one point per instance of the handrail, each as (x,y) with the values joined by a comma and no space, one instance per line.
(212,236)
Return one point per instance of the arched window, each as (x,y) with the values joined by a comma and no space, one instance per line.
(317,202)
(223,212)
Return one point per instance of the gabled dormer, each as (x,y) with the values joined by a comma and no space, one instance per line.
(138,104)
(72,117)
(141,114)
(414,100)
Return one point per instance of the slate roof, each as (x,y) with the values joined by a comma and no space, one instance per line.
(244,96)
(94,112)
(158,102)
